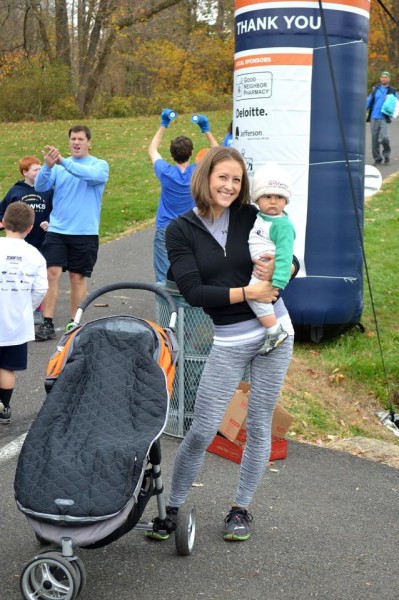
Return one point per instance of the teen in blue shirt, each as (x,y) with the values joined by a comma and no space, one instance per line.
(175,180)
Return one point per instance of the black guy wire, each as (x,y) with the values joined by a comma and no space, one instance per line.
(341,127)
(384,8)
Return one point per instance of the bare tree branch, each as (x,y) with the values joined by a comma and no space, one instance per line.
(37,11)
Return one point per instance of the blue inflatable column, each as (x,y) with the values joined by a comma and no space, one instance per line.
(285,110)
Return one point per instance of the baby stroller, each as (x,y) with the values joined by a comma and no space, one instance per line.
(91,459)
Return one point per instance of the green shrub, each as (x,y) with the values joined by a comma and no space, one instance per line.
(146,106)
(65,109)
(118,106)
(32,90)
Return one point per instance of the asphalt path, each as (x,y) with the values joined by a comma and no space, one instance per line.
(325,522)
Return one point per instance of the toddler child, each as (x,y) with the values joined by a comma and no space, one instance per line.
(272,233)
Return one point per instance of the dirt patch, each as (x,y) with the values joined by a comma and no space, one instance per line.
(375,450)
(353,408)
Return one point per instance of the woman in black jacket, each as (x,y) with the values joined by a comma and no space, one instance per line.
(211,265)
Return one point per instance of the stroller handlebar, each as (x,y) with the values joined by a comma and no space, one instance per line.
(120,285)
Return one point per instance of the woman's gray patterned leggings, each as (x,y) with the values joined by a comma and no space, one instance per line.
(222,373)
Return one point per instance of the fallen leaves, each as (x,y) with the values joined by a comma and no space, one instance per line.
(313,374)
(336,377)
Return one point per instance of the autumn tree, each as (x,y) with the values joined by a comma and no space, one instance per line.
(383,40)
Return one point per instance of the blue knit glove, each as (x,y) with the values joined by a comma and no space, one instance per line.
(167,115)
(202,122)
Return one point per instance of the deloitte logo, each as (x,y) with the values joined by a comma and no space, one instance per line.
(252,111)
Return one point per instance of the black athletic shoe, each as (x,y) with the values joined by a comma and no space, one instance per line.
(237,525)
(5,416)
(44,332)
(378,161)
(162,534)
(386,161)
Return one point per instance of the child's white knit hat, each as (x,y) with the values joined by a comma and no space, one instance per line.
(271,179)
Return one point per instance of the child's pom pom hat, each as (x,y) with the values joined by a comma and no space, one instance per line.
(271,179)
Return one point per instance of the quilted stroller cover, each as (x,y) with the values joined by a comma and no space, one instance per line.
(85,453)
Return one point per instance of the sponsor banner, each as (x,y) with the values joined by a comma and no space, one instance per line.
(272,121)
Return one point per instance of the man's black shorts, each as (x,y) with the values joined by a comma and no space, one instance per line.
(14,358)
(75,253)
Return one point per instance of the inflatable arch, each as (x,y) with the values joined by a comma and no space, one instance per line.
(300,76)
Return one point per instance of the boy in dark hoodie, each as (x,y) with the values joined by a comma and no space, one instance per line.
(24,191)
(41,203)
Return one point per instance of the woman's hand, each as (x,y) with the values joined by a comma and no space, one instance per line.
(261,292)
(264,267)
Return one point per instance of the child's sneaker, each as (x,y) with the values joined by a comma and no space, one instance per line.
(161,534)
(44,332)
(272,340)
(237,525)
(5,416)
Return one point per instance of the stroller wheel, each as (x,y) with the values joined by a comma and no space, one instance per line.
(49,576)
(79,567)
(185,530)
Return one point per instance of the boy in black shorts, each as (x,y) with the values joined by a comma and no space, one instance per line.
(23,278)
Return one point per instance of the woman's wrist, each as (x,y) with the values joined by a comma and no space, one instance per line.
(249,293)
(239,294)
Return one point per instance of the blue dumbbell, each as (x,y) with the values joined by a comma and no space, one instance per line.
(202,121)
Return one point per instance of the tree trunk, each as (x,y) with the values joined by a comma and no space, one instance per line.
(62,43)
(37,11)
(90,47)
(220,19)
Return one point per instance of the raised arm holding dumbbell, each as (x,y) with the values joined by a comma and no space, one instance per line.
(175,180)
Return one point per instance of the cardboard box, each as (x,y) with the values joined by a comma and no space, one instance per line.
(233,426)
(231,438)
(223,447)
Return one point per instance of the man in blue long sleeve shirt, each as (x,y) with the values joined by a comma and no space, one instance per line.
(379,121)
(71,242)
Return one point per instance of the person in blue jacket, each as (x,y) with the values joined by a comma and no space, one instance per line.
(175,180)
(71,242)
(380,118)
